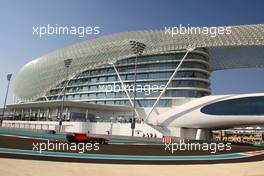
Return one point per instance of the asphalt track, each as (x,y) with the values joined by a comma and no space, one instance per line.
(58,136)
(21,148)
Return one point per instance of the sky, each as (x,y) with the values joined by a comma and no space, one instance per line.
(18,45)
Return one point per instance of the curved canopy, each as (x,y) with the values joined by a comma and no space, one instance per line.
(244,47)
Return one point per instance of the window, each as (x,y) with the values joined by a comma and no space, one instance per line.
(92,95)
(102,79)
(84,96)
(101,95)
(93,88)
(111,78)
(239,106)
(93,80)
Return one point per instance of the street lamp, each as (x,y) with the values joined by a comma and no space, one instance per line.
(137,48)
(67,64)
(8,79)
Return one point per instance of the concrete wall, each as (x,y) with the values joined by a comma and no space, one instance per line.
(123,129)
(42,125)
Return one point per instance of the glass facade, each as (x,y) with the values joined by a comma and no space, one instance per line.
(239,106)
(102,86)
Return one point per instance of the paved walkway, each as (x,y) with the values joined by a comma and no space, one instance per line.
(16,167)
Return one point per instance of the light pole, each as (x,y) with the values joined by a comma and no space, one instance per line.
(8,79)
(67,64)
(137,48)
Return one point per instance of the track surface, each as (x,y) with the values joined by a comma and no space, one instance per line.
(16,147)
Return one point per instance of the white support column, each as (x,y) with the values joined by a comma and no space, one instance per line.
(169,81)
(198,134)
(86,114)
(39,112)
(48,114)
(30,112)
(123,86)
(22,114)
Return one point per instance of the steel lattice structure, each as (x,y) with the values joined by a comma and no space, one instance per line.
(244,47)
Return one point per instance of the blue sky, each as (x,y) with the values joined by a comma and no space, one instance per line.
(18,45)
